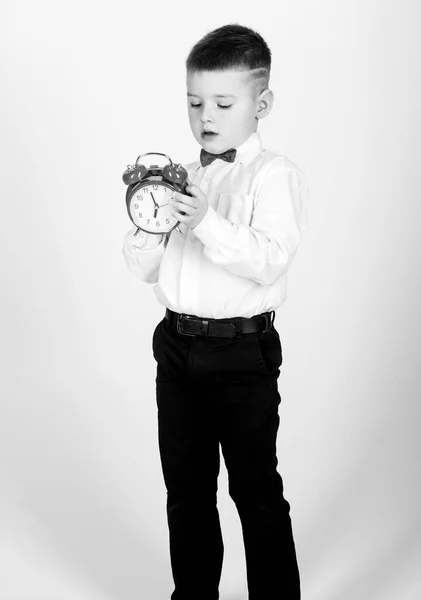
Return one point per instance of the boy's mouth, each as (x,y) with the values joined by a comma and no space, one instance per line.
(208,135)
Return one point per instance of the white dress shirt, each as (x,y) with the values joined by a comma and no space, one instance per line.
(235,262)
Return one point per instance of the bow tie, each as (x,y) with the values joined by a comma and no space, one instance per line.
(207,157)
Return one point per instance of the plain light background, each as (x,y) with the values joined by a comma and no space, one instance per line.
(87,87)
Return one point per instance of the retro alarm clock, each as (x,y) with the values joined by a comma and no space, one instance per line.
(150,189)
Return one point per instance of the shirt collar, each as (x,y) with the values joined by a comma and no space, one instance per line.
(249,149)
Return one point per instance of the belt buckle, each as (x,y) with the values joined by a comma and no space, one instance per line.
(179,327)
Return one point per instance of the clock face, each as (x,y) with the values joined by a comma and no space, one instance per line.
(149,207)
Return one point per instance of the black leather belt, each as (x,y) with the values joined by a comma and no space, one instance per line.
(193,325)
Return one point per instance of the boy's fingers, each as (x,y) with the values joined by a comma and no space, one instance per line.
(187,200)
(179,197)
(194,190)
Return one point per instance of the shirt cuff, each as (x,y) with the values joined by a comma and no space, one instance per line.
(143,241)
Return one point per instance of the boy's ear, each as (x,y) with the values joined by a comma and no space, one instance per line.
(264,103)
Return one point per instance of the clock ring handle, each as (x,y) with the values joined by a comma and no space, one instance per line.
(154,153)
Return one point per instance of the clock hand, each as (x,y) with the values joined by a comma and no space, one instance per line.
(158,206)
(162,206)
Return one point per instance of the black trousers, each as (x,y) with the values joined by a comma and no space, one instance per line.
(223,391)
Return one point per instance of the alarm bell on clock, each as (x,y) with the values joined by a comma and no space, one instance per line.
(149,192)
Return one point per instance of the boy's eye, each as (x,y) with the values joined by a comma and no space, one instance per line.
(220,105)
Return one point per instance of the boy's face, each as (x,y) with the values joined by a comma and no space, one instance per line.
(222,102)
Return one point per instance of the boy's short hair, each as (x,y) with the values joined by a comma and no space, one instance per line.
(236,47)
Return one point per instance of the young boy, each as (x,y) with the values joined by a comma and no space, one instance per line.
(218,353)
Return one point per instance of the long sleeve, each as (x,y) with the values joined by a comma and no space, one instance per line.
(264,250)
(143,253)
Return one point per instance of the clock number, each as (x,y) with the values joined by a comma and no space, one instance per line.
(167,221)
(148,221)
(136,206)
(140,215)
(139,197)
(157,224)
(154,187)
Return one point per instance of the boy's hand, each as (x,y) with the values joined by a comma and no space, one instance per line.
(195,206)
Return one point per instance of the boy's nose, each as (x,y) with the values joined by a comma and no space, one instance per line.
(206,116)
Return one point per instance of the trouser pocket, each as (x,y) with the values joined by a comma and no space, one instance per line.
(268,350)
